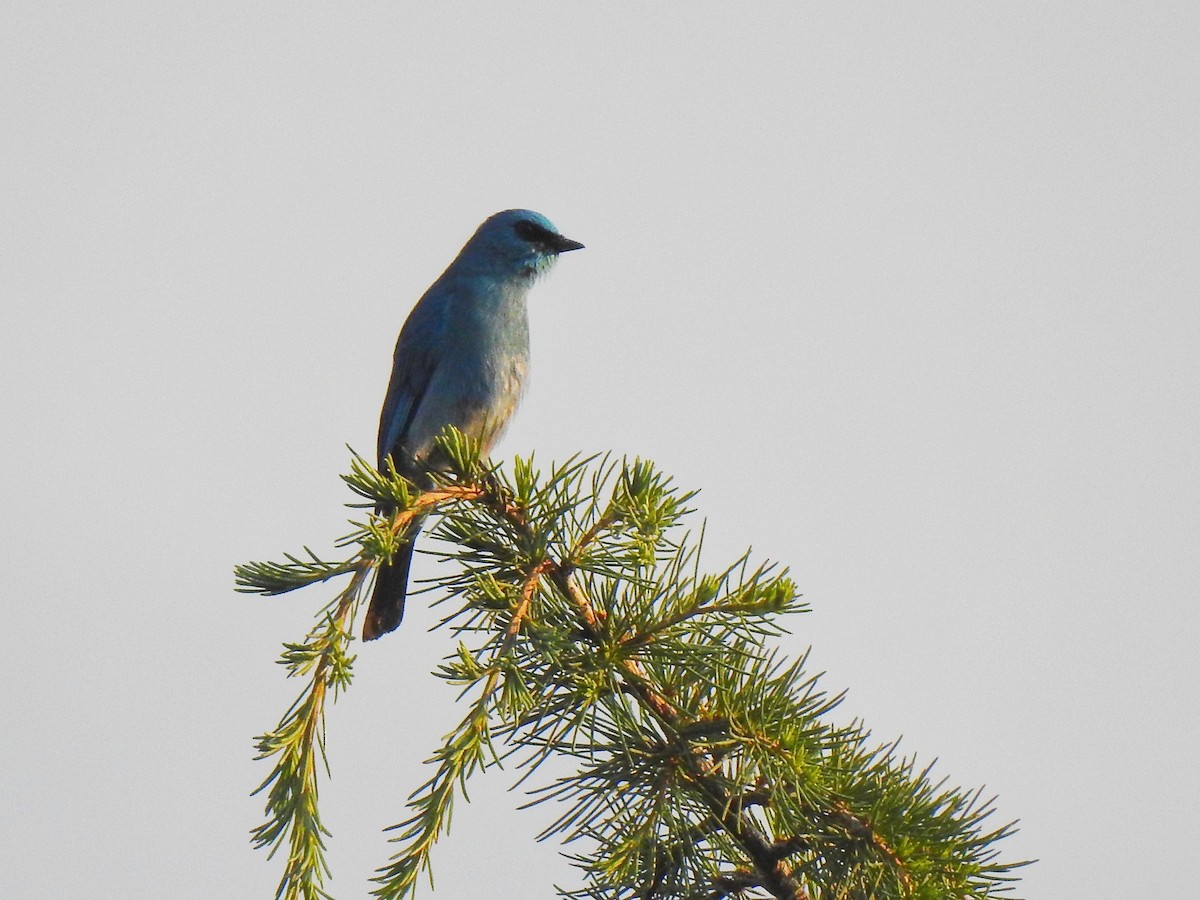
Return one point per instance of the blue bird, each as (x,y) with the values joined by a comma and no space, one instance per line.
(460,360)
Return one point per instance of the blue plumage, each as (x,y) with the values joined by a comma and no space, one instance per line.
(460,360)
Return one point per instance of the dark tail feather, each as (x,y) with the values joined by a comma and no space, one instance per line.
(391,589)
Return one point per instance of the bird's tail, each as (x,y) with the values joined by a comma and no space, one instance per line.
(391,588)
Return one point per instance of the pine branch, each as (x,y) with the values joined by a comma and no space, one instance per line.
(292,814)
(271,579)
(706,766)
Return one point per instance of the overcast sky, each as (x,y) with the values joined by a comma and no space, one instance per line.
(909,291)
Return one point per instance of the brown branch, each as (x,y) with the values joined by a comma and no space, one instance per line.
(427,500)
(564,579)
(590,535)
(522,612)
(345,603)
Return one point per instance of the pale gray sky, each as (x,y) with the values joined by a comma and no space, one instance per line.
(910,292)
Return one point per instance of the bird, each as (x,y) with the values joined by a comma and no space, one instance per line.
(461,359)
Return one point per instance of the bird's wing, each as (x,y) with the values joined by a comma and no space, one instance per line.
(413,365)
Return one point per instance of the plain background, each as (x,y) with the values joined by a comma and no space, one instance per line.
(909,291)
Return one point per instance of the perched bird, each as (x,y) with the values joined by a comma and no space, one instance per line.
(460,360)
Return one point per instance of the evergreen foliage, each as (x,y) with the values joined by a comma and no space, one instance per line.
(705,764)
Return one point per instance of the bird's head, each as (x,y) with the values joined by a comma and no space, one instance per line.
(516,243)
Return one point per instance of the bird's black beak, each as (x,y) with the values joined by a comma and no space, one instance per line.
(560,244)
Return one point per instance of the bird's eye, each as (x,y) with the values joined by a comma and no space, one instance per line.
(527,231)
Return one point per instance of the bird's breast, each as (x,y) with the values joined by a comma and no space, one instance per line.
(487,365)
(491,406)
